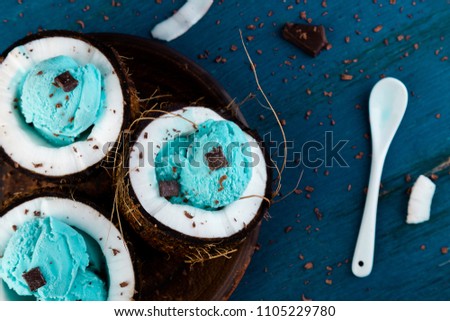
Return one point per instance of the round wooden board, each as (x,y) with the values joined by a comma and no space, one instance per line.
(156,68)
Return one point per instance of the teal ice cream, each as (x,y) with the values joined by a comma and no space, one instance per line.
(61,255)
(186,159)
(60,116)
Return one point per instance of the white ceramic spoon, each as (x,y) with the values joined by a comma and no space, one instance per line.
(387,105)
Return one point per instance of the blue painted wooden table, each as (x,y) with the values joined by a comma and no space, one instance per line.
(306,246)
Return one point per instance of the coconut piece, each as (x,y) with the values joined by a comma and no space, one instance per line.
(185,230)
(187,16)
(36,155)
(85,218)
(419,204)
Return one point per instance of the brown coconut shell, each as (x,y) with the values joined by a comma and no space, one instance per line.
(164,238)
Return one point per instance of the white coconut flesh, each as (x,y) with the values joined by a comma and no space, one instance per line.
(185,17)
(76,214)
(23,144)
(419,204)
(221,223)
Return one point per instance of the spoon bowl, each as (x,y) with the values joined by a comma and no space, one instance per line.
(387,105)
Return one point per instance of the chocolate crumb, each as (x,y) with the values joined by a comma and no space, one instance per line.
(304,298)
(80,23)
(287,229)
(318,213)
(188,215)
(346,77)
(308,266)
(123,284)
(14,227)
(329,281)
(34,279)
(377,28)
(169,188)
(37,165)
(444,250)
(115,251)
(221,180)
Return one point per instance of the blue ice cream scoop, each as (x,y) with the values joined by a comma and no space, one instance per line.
(212,166)
(57,256)
(61,99)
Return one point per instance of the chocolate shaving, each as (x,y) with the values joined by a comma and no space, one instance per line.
(169,188)
(34,279)
(66,82)
(216,159)
(311,39)
(221,180)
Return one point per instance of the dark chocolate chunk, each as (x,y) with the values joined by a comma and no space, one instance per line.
(311,39)
(169,188)
(66,82)
(216,159)
(34,279)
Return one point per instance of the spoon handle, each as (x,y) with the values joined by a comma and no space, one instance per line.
(365,245)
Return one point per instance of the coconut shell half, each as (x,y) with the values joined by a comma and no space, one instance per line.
(119,274)
(23,147)
(162,224)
